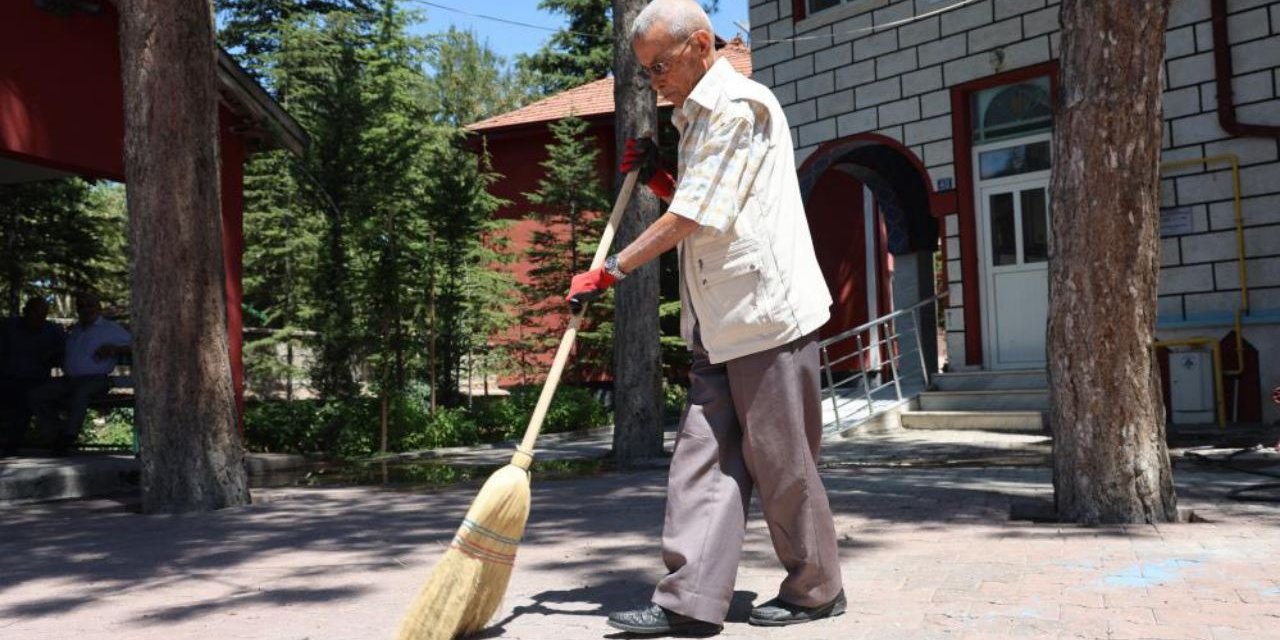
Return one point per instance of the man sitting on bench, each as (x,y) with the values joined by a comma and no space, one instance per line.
(93,345)
(30,346)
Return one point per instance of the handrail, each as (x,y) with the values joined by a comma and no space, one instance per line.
(892,339)
(881,320)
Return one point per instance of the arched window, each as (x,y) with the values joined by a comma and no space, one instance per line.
(1012,110)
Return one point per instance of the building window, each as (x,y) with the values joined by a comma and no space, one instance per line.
(1012,110)
(820,5)
(1011,161)
(810,14)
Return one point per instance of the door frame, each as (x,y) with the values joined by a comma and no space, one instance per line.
(986,295)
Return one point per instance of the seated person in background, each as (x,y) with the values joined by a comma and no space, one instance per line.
(93,345)
(29,348)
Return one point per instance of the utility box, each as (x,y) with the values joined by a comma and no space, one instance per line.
(1191,398)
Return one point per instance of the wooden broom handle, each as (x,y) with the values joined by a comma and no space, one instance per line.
(524,454)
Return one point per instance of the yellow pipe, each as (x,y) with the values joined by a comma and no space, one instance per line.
(1220,401)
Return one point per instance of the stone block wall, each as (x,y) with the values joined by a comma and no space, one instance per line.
(842,72)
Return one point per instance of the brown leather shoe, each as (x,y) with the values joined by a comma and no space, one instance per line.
(654,620)
(780,613)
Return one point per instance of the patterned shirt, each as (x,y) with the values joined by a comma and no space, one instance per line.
(722,147)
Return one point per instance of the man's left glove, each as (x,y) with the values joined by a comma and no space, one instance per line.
(587,287)
(642,154)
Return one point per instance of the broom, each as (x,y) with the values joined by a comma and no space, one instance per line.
(468,584)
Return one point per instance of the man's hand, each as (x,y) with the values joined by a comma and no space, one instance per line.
(587,287)
(642,154)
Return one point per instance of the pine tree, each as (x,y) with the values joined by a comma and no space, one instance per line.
(251,29)
(568,201)
(380,242)
(59,236)
(1111,463)
(580,52)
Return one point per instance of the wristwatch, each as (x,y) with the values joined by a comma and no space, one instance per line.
(611,267)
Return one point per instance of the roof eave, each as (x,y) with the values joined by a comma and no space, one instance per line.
(279,125)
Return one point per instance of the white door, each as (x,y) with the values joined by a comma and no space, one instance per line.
(1015,260)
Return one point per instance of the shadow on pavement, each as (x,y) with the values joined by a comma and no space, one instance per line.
(91,549)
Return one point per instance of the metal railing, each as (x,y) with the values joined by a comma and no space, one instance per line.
(879,340)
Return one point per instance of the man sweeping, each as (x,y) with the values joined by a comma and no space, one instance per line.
(753,299)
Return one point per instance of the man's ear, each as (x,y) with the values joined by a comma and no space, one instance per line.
(706,41)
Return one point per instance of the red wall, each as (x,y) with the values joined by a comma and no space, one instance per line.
(61,103)
(517,156)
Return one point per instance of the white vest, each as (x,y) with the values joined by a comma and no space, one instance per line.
(757,285)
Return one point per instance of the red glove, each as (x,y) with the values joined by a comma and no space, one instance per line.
(587,287)
(642,154)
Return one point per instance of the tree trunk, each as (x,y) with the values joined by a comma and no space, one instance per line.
(192,456)
(1111,464)
(637,357)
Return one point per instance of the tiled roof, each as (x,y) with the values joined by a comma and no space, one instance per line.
(593,98)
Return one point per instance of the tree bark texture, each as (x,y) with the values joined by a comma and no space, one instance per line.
(192,455)
(1111,464)
(637,355)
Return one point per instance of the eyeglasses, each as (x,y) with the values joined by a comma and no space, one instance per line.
(662,66)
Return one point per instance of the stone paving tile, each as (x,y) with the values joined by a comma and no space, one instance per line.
(927,552)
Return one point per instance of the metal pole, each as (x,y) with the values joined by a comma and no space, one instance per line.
(826,367)
(924,370)
(893,357)
(866,387)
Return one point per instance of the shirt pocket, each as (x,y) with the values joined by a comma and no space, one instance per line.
(732,282)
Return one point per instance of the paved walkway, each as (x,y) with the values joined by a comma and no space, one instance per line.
(928,551)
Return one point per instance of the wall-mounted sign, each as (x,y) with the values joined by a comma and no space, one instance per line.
(1176,222)
(945,184)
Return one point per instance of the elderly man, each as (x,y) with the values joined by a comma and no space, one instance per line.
(753,299)
(29,347)
(93,346)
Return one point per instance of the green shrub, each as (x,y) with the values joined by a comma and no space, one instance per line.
(572,409)
(110,428)
(282,426)
(351,428)
(447,427)
(674,399)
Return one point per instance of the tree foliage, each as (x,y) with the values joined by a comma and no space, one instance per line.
(58,236)
(580,52)
(377,250)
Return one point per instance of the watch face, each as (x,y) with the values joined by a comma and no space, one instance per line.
(611,265)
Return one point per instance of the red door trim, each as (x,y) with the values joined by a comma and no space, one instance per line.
(798,10)
(963,144)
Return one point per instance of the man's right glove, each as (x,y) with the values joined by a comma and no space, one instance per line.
(587,287)
(642,153)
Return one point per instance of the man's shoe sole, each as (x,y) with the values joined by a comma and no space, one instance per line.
(837,608)
(690,630)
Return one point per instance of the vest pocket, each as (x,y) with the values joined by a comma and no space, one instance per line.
(732,283)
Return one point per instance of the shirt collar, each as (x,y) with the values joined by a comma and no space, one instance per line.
(707,91)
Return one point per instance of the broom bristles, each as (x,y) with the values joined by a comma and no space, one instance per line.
(467,585)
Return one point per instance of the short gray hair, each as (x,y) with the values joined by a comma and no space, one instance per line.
(681,17)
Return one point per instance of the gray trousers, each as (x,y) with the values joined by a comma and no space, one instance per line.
(752,422)
(69,394)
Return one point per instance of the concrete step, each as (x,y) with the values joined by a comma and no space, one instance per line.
(989,380)
(37,478)
(990,400)
(1003,421)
